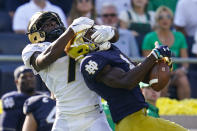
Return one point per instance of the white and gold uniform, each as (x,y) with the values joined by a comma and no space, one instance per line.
(78,108)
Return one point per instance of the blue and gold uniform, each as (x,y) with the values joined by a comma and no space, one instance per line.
(43,109)
(127,107)
(122,102)
(12,117)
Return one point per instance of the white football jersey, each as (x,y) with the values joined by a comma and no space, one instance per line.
(64,80)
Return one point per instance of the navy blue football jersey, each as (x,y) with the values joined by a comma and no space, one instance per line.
(43,109)
(122,102)
(12,117)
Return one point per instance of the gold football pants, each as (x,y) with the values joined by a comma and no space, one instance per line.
(139,121)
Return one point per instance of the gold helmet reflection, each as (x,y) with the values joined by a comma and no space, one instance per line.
(80,45)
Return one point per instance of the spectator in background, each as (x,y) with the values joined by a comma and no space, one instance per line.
(151,97)
(185,21)
(176,42)
(12,5)
(80,8)
(137,19)
(126,42)
(24,13)
(119,4)
(154,4)
(40,113)
(13,117)
(185,18)
(64,4)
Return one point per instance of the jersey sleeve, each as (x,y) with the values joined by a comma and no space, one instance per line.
(30,105)
(91,65)
(27,52)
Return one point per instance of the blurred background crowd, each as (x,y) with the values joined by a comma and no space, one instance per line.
(140,23)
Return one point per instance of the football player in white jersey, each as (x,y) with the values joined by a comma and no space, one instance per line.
(78,108)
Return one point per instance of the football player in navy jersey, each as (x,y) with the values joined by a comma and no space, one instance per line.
(115,78)
(40,113)
(12,118)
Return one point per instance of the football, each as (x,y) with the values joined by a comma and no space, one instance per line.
(159,75)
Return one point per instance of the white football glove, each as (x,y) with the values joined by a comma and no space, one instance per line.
(103,33)
(104,46)
(81,23)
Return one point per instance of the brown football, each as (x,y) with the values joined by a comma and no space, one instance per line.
(159,75)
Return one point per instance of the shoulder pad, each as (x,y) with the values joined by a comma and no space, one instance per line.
(33,103)
(30,49)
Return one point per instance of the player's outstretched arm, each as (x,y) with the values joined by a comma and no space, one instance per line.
(41,60)
(29,123)
(117,78)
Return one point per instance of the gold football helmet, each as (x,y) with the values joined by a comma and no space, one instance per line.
(80,45)
(36,33)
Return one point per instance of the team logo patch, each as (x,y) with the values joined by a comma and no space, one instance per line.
(45,100)
(91,67)
(8,102)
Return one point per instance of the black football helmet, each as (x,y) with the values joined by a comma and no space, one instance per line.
(36,33)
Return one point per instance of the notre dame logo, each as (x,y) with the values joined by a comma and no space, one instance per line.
(8,102)
(91,67)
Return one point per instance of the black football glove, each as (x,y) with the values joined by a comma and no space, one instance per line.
(161,51)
